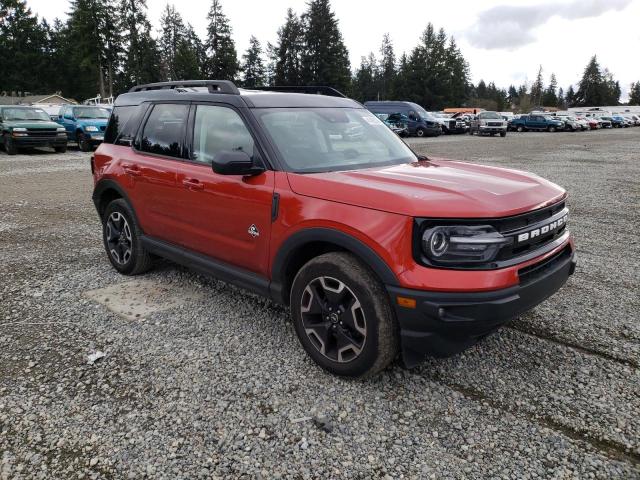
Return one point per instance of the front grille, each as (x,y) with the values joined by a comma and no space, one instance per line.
(494,124)
(533,272)
(41,132)
(452,124)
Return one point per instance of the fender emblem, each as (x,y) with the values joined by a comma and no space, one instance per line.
(253,231)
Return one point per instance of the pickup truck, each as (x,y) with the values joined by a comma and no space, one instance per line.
(84,124)
(536,122)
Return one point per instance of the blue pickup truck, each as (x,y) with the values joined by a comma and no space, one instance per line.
(84,124)
(536,122)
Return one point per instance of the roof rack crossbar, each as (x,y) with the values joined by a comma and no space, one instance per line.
(214,86)
(312,90)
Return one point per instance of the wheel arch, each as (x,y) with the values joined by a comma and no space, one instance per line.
(105,192)
(311,242)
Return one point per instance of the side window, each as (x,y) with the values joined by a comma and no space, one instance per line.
(164,131)
(216,129)
(122,125)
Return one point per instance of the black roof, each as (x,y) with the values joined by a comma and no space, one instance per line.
(226,92)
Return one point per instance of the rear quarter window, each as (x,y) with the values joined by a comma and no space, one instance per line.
(123,124)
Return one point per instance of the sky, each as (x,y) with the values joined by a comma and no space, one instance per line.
(503,41)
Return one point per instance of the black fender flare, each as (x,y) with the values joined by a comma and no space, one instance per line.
(310,235)
(107,184)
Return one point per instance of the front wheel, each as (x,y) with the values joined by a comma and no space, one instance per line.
(342,316)
(84,144)
(61,149)
(420,132)
(503,134)
(552,129)
(520,128)
(9,145)
(122,241)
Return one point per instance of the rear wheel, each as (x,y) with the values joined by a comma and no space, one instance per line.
(9,145)
(420,132)
(342,316)
(122,239)
(520,128)
(61,149)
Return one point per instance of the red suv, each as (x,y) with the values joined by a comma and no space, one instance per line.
(312,201)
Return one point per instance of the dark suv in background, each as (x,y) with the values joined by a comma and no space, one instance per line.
(420,122)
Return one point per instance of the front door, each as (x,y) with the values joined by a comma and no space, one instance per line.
(227,217)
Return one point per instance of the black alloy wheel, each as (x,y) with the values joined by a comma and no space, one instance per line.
(118,238)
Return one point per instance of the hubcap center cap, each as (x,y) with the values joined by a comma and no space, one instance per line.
(334,317)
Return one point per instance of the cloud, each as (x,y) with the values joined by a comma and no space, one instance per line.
(509,27)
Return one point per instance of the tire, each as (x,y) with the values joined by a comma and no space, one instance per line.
(83,143)
(343,289)
(122,240)
(420,132)
(9,145)
(60,149)
(492,134)
(552,129)
(503,134)
(520,128)
(471,131)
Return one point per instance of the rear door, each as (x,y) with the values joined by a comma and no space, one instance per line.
(151,169)
(227,217)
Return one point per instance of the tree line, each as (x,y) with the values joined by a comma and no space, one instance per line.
(107,46)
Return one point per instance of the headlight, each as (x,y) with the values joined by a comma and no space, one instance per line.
(462,244)
(61,129)
(91,128)
(19,129)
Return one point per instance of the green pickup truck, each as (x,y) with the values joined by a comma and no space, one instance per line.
(23,126)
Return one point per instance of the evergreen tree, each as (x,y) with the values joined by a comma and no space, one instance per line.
(634,94)
(561,103)
(221,49)
(22,42)
(325,59)
(512,96)
(550,96)
(364,82)
(252,66)
(199,50)
(387,68)
(141,63)
(597,87)
(537,89)
(172,35)
(570,98)
(287,53)
(94,47)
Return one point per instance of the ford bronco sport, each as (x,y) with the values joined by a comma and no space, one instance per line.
(312,201)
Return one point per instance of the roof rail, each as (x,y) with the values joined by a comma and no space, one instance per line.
(312,90)
(214,86)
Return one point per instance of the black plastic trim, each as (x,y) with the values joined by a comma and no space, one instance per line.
(207,265)
(107,184)
(275,207)
(445,323)
(289,247)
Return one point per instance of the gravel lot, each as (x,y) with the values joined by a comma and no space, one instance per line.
(207,381)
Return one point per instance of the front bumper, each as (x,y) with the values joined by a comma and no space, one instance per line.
(487,129)
(95,137)
(443,324)
(40,141)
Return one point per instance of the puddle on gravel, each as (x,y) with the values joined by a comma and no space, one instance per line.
(137,299)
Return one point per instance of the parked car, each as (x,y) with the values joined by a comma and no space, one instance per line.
(619,121)
(536,122)
(570,123)
(84,124)
(584,124)
(450,124)
(605,122)
(397,122)
(375,249)
(591,122)
(489,123)
(23,126)
(420,122)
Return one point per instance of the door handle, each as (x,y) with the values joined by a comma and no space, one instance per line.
(193,184)
(132,170)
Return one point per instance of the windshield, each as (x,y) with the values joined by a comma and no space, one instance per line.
(490,115)
(31,114)
(91,112)
(326,139)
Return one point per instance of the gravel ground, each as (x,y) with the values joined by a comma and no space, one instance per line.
(218,387)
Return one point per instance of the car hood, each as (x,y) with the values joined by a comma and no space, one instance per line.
(30,124)
(434,188)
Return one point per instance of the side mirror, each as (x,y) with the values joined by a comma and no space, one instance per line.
(235,162)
